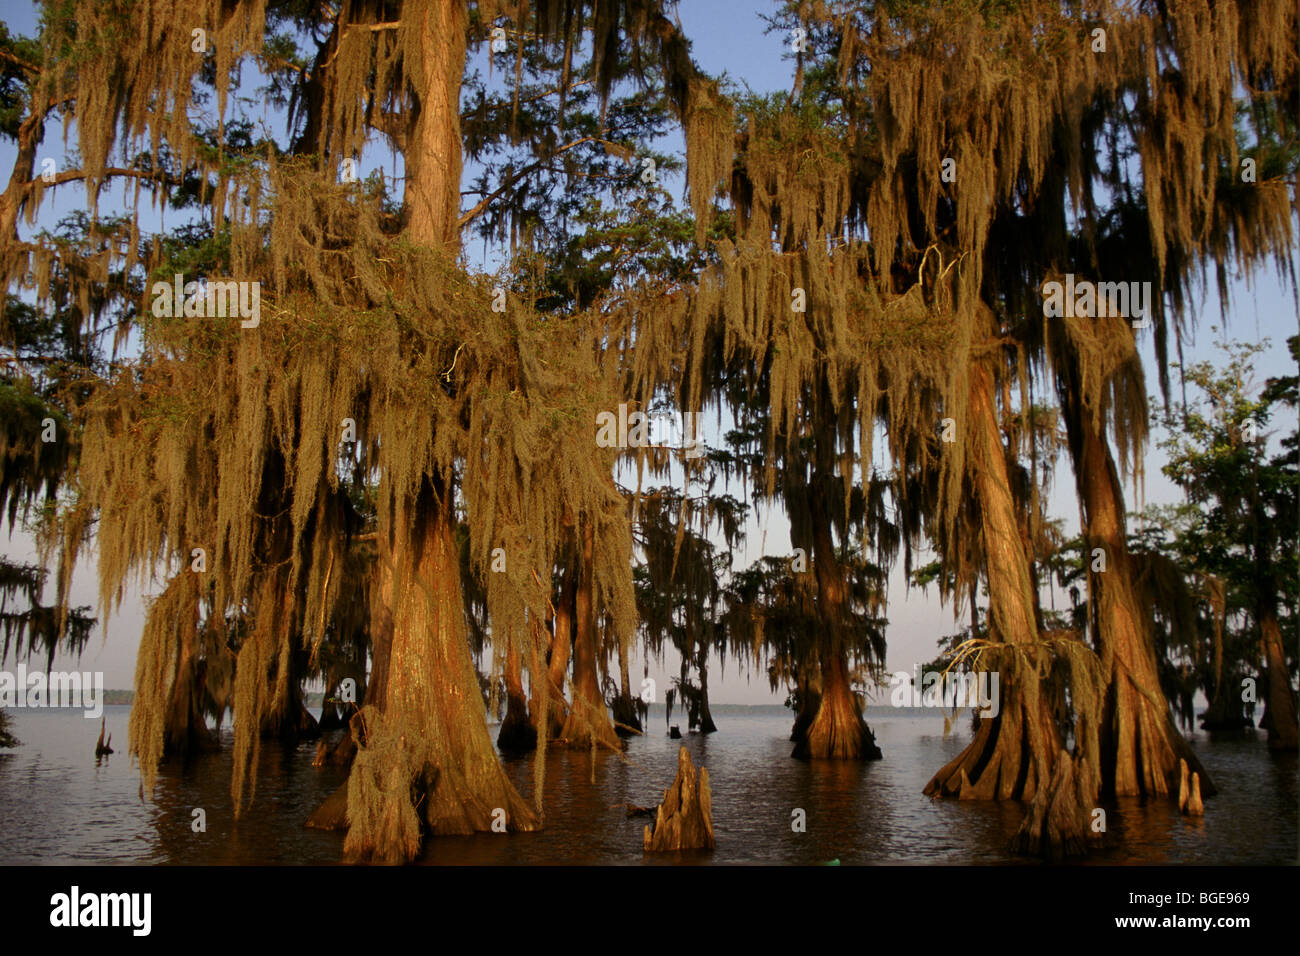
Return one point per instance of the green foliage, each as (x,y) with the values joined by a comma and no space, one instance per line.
(20,57)
(1234,539)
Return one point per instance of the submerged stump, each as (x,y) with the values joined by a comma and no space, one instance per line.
(103,747)
(684,821)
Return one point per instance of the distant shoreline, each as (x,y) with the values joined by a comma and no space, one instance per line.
(314,701)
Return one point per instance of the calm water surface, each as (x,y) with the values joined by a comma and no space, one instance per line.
(58,807)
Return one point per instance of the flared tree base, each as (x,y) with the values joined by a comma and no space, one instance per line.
(517,733)
(1141,748)
(594,731)
(810,703)
(1282,737)
(393,803)
(627,720)
(998,764)
(838,732)
(186,732)
(332,814)
(1062,821)
(339,754)
(294,724)
(189,742)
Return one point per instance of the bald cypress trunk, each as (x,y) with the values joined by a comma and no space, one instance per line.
(432,679)
(517,731)
(1225,710)
(808,687)
(1280,713)
(1140,744)
(425,761)
(186,728)
(626,719)
(1014,752)
(707,726)
(288,719)
(557,665)
(381,633)
(30,133)
(588,723)
(837,731)
(433,148)
(332,814)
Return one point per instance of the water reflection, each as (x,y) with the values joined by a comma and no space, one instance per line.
(58,804)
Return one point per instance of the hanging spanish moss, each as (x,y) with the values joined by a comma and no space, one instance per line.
(337,446)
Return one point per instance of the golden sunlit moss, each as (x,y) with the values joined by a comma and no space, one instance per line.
(155,670)
(227,439)
(129,72)
(862,288)
(406,346)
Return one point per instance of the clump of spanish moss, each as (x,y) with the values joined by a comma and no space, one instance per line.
(859,288)
(381,814)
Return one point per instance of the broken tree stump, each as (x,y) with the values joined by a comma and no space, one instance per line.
(684,821)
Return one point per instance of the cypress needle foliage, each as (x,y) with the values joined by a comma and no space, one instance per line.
(1230,548)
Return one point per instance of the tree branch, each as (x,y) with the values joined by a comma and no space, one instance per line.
(19,61)
(373,27)
(392,125)
(72,175)
(496,194)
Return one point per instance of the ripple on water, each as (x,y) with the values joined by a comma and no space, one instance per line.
(58,807)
